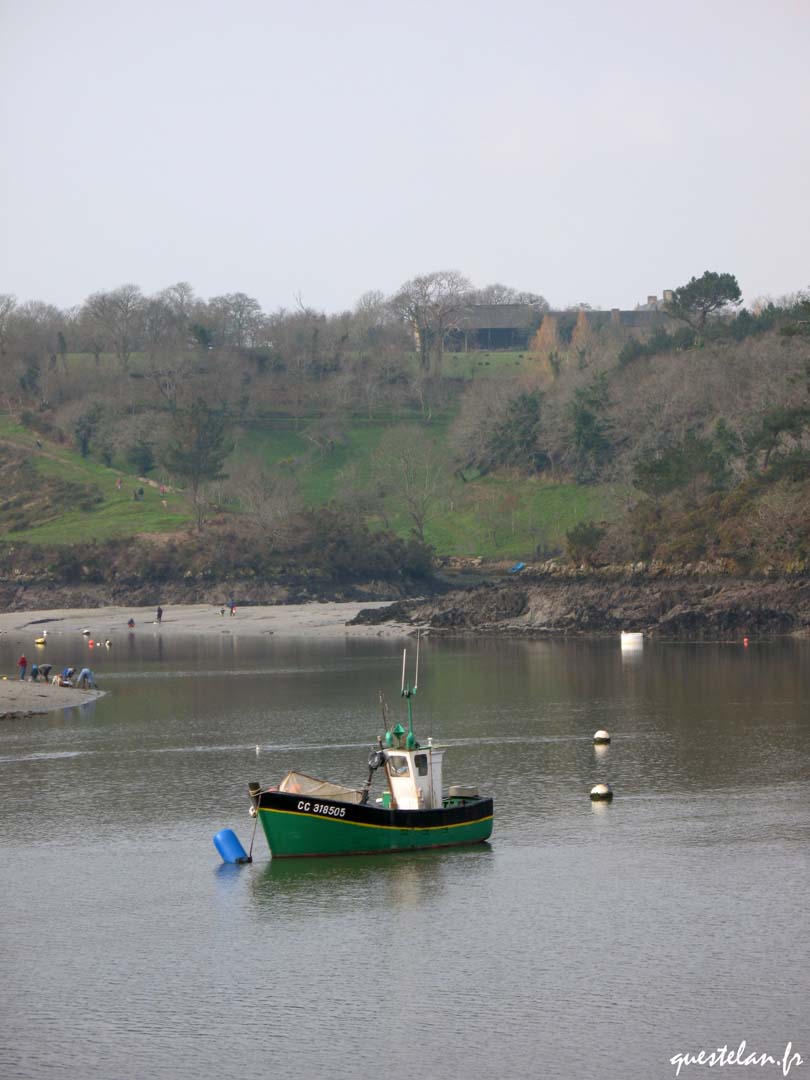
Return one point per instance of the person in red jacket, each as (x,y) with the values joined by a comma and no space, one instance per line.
(22,664)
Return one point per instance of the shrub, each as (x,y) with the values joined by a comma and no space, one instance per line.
(141,457)
(583,540)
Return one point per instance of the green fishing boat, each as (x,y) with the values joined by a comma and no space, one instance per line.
(305,816)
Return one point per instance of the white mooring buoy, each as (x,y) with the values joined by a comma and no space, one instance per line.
(601,791)
(601,736)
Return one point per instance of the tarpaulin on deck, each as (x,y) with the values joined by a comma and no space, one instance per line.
(296,783)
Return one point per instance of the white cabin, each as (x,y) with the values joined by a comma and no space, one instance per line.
(415,777)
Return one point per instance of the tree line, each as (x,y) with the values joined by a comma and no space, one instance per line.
(717,406)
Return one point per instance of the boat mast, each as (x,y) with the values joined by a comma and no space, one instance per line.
(407,692)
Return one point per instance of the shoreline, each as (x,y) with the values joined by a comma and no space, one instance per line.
(19,699)
(314,619)
(64,629)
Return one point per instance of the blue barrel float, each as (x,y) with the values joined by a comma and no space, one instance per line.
(227,844)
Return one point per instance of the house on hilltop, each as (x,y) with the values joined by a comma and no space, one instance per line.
(527,326)
(493,326)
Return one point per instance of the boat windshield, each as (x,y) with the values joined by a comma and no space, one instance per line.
(398,765)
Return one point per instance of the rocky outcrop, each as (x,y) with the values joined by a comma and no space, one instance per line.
(674,607)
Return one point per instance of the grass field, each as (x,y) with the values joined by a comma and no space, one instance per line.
(119,514)
(499,517)
(494,516)
(487,365)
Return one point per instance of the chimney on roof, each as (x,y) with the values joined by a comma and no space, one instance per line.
(615,316)
(669,296)
(652,301)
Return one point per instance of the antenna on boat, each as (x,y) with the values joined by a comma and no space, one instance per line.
(407,692)
(416,673)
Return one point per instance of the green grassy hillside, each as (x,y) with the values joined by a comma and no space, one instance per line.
(51,494)
(494,516)
(54,495)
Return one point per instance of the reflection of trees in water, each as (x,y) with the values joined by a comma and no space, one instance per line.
(682,715)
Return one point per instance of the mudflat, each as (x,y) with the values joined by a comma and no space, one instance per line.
(64,626)
(104,623)
(18,698)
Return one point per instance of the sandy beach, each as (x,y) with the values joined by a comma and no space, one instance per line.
(23,698)
(62,627)
(288,620)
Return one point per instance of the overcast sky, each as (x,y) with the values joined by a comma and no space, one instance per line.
(589,150)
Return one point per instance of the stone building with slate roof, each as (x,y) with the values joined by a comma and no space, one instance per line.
(494,326)
(526,326)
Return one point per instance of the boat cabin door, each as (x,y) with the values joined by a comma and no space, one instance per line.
(415,778)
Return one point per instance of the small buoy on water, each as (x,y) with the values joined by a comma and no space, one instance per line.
(745,642)
(601,736)
(91,643)
(231,851)
(107,643)
(601,791)
(87,633)
(258,749)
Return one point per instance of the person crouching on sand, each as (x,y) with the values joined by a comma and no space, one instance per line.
(86,679)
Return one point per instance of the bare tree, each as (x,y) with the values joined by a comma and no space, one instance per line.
(374,324)
(181,301)
(430,305)
(119,315)
(239,319)
(505,294)
(409,468)
(36,337)
(7,305)
(159,327)
(326,434)
(269,500)
(91,332)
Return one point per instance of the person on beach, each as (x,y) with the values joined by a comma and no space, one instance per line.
(66,676)
(22,664)
(131,623)
(232,605)
(159,614)
(45,671)
(34,672)
(86,679)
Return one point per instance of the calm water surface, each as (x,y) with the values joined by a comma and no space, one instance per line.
(584,940)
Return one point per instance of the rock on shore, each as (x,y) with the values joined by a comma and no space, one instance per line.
(683,608)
